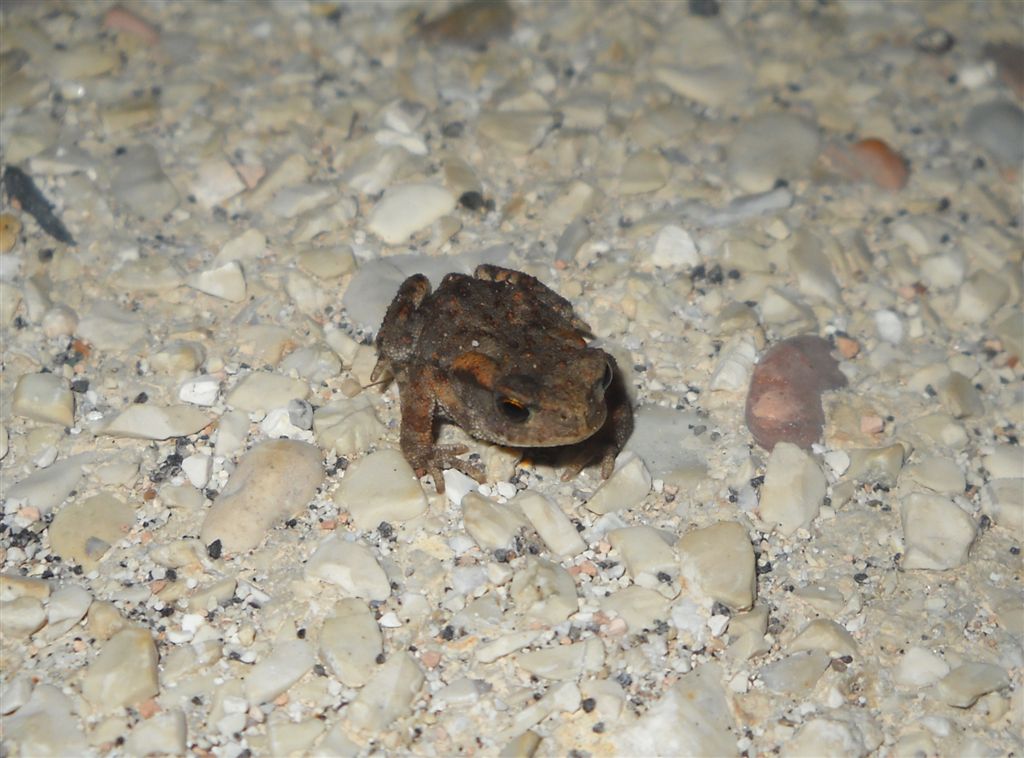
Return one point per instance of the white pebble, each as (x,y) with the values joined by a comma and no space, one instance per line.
(889,326)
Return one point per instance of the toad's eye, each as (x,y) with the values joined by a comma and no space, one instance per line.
(608,376)
(513,410)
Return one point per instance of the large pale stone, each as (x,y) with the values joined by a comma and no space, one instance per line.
(380,487)
(720,559)
(44,397)
(273,481)
(124,673)
(794,488)
(83,532)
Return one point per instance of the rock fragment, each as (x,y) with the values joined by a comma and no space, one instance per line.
(44,397)
(784,400)
(388,695)
(83,532)
(124,673)
(720,559)
(381,487)
(794,489)
(937,533)
(274,480)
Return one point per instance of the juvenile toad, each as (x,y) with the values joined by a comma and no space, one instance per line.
(504,357)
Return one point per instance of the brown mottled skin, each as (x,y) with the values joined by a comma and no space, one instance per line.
(504,357)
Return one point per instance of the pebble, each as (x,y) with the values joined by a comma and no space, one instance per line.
(407,208)
(274,674)
(962,686)
(793,490)
(870,160)
(82,532)
(21,617)
(124,673)
(389,695)
(45,725)
(937,533)
(827,736)
(797,672)
(770,147)
(691,718)
(200,390)
(1002,500)
(980,296)
(640,607)
(714,86)
(564,662)
(351,642)
(551,523)
(784,400)
(491,526)
(226,282)
(275,479)
(150,422)
(382,487)
(827,635)
(719,559)
(44,397)
(263,391)
(624,489)
(141,185)
(164,732)
(996,127)
(352,567)
(66,607)
(47,488)
(645,171)
(10,228)
(936,473)
(644,550)
(674,248)
(919,667)
(347,427)
(517,132)
(543,591)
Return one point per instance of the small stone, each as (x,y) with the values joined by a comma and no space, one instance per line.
(46,725)
(881,465)
(14,693)
(286,664)
(122,19)
(793,490)
(49,487)
(715,85)
(350,642)
(380,487)
(770,147)
(919,667)
(937,533)
(981,296)
(960,397)
(644,550)
(83,531)
(405,209)
(720,560)
(216,182)
(273,481)
(290,202)
(328,262)
(624,489)
(645,171)
(870,160)
(795,674)
(889,326)
(151,422)
(178,357)
(388,696)
(551,523)
(962,686)
(471,24)
(104,620)
(1002,500)
(166,732)
(197,468)
(934,40)
(996,127)
(44,397)
(13,586)
(491,526)
(59,321)
(517,132)
(543,591)
(809,262)
(226,282)
(200,390)
(827,635)
(347,427)
(124,673)
(674,248)
(263,391)
(10,228)
(497,648)
(352,567)
(1005,462)
(825,736)
(296,738)
(641,608)
(564,662)
(691,718)
(250,245)
(1009,60)
(141,184)
(938,474)
(67,606)
(21,618)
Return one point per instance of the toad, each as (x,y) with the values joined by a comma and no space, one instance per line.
(506,359)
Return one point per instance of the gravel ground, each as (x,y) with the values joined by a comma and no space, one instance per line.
(210,543)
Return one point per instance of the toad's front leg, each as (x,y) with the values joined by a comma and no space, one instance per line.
(418,389)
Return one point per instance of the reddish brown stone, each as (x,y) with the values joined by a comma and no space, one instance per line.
(784,401)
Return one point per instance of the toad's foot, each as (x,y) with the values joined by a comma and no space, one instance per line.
(443,457)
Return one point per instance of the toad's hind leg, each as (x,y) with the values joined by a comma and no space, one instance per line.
(396,338)
(543,294)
